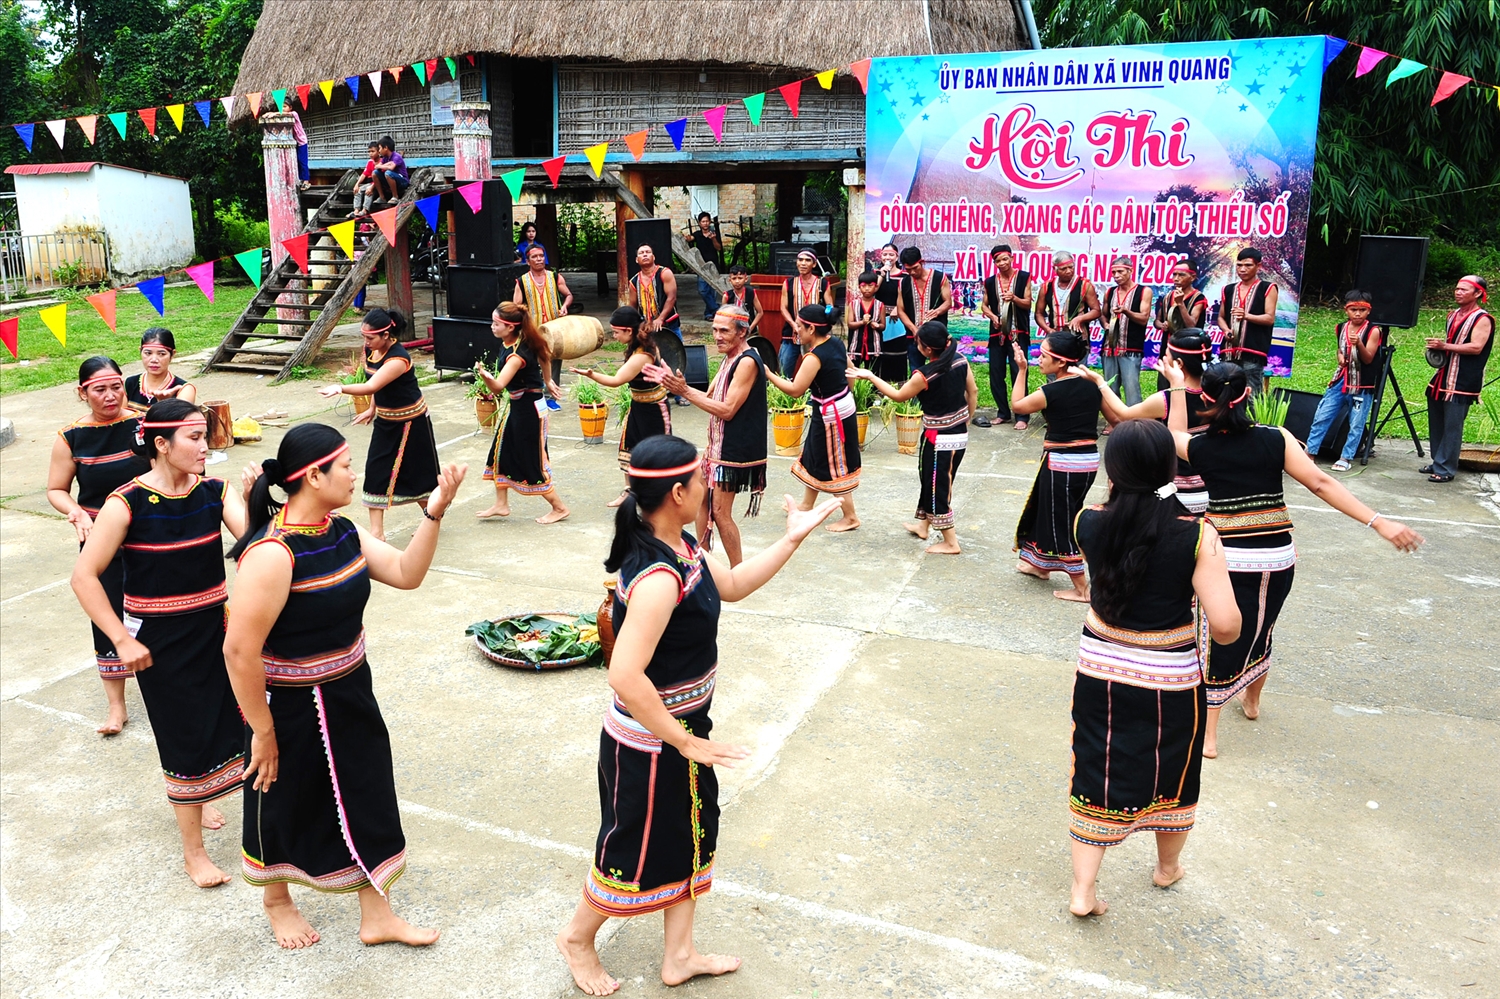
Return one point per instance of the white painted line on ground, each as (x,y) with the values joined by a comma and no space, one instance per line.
(135,733)
(31,593)
(460,437)
(1400,517)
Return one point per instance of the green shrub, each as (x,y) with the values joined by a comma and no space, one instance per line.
(239,232)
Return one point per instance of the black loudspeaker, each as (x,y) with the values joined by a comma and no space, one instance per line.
(696,372)
(655,233)
(458,341)
(488,235)
(1390,270)
(1301,407)
(474,290)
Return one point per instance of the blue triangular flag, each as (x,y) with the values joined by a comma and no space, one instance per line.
(152,290)
(26,132)
(202,107)
(676,129)
(353,83)
(1331,48)
(429,209)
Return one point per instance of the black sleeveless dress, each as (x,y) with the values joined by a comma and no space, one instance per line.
(945,436)
(1191,492)
(649,413)
(1247,507)
(518,454)
(830,452)
(174,605)
(1138,700)
(103,461)
(402,466)
(137,399)
(659,811)
(1070,461)
(330,821)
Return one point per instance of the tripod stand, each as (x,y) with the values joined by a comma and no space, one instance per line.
(1373,429)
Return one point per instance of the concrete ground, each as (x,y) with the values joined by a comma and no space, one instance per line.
(901,827)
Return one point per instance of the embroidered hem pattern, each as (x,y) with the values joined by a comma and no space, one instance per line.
(222,781)
(616,898)
(1106,827)
(837,485)
(349,879)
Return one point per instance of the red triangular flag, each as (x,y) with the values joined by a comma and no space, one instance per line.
(791,93)
(554,168)
(1448,85)
(431,69)
(303,92)
(8,330)
(148,115)
(470,57)
(104,304)
(861,71)
(386,220)
(636,143)
(297,247)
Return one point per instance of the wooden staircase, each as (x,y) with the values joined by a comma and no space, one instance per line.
(261,342)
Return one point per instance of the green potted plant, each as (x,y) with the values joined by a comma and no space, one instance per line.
(788,418)
(864,396)
(908,425)
(593,411)
(486,406)
(354,374)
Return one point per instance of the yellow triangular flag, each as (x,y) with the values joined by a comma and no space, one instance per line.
(596,156)
(175,110)
(343,234)
(327,87)
(825,79)
(56,318)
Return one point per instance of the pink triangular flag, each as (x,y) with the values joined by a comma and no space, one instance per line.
(715,119)
(474,195)
(88,122)
(791,93)
(104,304)
(1368,57)
(228,103)
(57,127)
(1448,85)
(386,220)
(203,276)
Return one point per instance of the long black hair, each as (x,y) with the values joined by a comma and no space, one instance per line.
(647,493)
(629,317)
(159,335)
(165,411)
(303,444)
(92,366)
(1068,345)
(1227,393)
(935,337)
(1140,459)
(1191,347)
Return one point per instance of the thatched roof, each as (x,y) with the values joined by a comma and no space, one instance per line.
(297,41)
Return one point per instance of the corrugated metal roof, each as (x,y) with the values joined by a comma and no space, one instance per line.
(34,169)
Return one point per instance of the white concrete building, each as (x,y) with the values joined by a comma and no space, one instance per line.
(147,218)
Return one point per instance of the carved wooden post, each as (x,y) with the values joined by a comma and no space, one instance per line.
(283,204)
(854,182)
(636,184)
(471,140)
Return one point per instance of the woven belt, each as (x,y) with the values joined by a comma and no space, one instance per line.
(402,415)
(649,395)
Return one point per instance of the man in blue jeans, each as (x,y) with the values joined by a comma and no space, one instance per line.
(1355,381)
(706,241)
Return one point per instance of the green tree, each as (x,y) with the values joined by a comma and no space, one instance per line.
(1387,162)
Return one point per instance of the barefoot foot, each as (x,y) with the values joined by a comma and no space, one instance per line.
(292,931)
(1250,708)
(204,872)
(677,971)
(837,527)
(495,511)
(1163,879)
(1084,906)
(391,928)
(115,723)
(583,961)
(919,529)
(945,548)
(617,500)
(212,818)
(1027,569)
(556,516)
(1210,751)
(1074,595)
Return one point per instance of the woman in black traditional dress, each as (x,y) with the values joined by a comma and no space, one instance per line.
(1188,349)
(402,464)
(1241,464)
(321,808)
(649,415)
(1070,460)
(830,452)
(166,526)
(946,389)
(156,381)
(658,794)
(518,454)
(1138,702)
(98,451)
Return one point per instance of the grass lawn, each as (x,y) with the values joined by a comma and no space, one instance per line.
(196,322)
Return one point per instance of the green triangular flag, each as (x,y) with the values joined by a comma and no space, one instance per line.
(1404,68)
(452,67)
(279,96)
(754,104)
(251,263)
(513,180)
(420,68)
(118,119)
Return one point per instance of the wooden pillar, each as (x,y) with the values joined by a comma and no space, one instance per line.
(398,293)
(546,234)
(283,204)
(637,185)
(854,183)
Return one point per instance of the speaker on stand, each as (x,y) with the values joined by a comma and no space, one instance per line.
(1390,269)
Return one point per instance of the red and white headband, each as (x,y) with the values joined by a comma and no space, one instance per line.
(662,473)
(294,476)
(101,377)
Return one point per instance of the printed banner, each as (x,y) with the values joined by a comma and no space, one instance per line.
(1156,152)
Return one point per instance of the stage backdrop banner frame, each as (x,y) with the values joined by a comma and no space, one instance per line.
(1156,152)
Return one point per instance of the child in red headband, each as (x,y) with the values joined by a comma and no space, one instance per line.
(1354,383)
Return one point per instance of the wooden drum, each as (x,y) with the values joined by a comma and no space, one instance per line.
(574,336)
(220,424)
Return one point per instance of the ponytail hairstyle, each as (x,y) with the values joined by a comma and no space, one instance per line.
(93,367)
(166,413)
(934,336)
(305,446)
(1191,347)
(1067,345)
(519,314)
(1228,396)
(629,317)
(660,454)
(819,317)
(387,321)
(159,335)
(1141,461)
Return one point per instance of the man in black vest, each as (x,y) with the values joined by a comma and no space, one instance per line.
(706,241)
(925,296)
(1247,315)
(1126,311)
(1007,305)
(1457,383)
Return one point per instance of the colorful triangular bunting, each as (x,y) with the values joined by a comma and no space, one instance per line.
(395,72)
(118,119)
(431,65)
(352,82)
(205,111)
(252,263)
(452,67)
(58,127)
(9,335)
(88,122)
(386,221)
(56,318)
(228,103)
(596,157)
(861,71)
(26,132)
(279,96)
(326,86)
(297,247)
(152,291)
(304,91)
(255,101)
(554,168)
(636,143)
(473,194)
(513,180)
(428,206)
(715,118)
(1404,68)
(676,129)
(1368,57)
(343,234)
(791,93)
(174,111)
(374,79)
(754,105)
(203,276)
(825,79)
(420,68)
(1331,48)
(148,115)
(104,304)
(1448,85)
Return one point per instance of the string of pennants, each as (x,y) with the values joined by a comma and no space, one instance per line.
(1449,83)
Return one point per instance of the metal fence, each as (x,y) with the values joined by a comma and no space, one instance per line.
(31,264)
